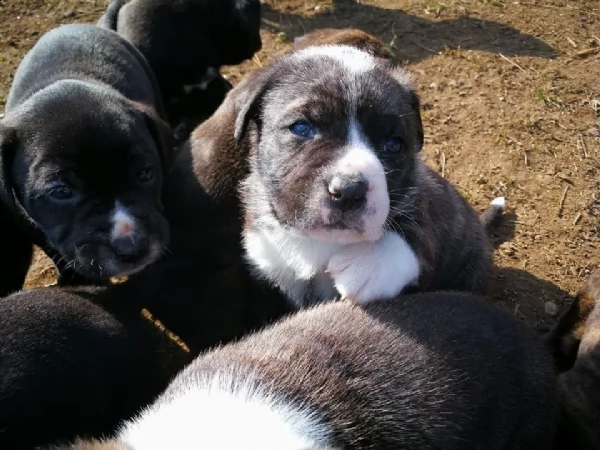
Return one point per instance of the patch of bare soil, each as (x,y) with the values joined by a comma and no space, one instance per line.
(511,103)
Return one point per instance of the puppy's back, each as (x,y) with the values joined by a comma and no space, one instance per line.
(424,371)
(88,53)
(70,367)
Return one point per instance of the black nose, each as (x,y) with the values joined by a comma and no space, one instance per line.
(348,193)
(129,248)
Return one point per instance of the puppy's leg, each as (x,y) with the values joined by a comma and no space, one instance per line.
(579,387)
(374,270)
(16,250)
(563,341)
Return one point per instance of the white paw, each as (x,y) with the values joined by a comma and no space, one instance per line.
(374,270)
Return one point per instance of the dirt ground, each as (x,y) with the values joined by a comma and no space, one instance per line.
(511,106)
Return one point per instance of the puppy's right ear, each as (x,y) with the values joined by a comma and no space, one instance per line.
(8,145)
(247,97)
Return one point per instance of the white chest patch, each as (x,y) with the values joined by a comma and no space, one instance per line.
(291,262)
(217,414)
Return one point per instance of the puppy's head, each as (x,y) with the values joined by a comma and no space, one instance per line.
(338,137)
(237,38)
(347,36)
(86,169)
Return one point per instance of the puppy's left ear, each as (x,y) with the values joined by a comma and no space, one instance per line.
(415,104)
(8,146)
(161,133)
(412,98)
(247,97)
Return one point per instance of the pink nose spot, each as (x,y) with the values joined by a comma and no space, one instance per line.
(124,228)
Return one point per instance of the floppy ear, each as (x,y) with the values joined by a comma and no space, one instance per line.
(247,97)
(161,133)
(412,98)
(8,146)
(415,104)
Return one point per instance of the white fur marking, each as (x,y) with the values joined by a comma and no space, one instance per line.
(379,270)
(123,222)
(288,260)
(499,201)
(222,413)
(353,59)
(361,159)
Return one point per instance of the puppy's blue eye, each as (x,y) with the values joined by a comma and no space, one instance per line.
(393,145)
(146,175)
(303,129)
(61,192)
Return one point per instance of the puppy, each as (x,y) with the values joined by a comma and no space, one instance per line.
(76,362)
(564,340)
(437,370)
(204,302)
(349,36)
(186,42)
(83,149)
(337,199)
(579,387)
(17,252)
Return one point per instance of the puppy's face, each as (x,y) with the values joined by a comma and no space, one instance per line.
(338,137)
(87,170)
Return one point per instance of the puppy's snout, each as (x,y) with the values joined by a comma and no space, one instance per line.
(130,248)
(348,193)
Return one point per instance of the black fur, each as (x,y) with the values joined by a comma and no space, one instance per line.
(430,371)
(84,111)
(76,362)
(185,41)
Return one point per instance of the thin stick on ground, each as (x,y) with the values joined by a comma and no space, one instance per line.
(443,157)
(581,143)
(562,200)
(512,62)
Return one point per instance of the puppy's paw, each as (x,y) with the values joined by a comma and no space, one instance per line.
(374,270)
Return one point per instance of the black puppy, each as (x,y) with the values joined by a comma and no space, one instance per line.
(76,362)
(83,149)
(186,42)
(422,372)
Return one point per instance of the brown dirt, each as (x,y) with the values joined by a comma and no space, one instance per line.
(511,106)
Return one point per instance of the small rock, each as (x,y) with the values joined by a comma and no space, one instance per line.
(551,309)
(595,132)
(508,248)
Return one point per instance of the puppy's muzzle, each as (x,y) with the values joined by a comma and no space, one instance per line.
(130,249)
(348,193)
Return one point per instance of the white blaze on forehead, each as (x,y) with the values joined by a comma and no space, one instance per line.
(123,222)
(360,159)
(352,58)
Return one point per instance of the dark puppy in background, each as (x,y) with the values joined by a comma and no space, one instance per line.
(77,361)
(345,36)
(338,200)
(83,150)
(429,371)
(578,332)
(186,42)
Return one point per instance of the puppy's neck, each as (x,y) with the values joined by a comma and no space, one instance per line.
(293,262)
(224,412)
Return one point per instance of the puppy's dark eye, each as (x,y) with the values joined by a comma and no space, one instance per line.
(146,175)
(393,145)
(303,129)
(61,192)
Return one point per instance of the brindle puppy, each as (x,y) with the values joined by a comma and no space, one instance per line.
(579,387)
(338,199)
